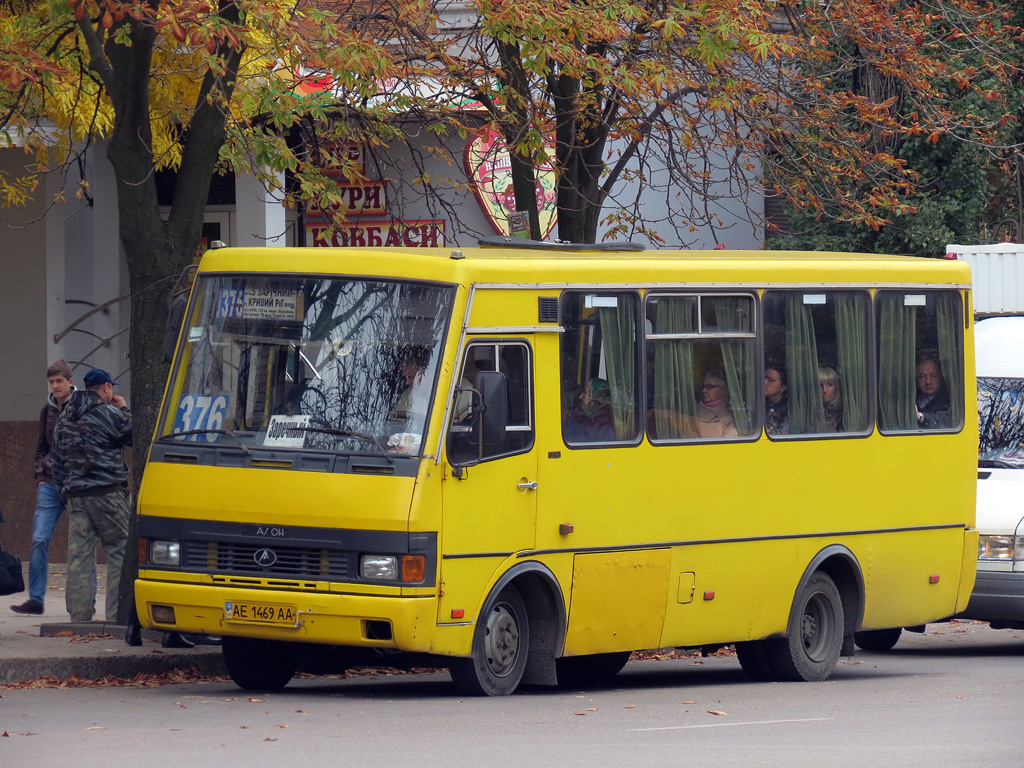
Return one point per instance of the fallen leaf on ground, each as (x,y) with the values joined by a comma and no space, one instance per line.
(716,712)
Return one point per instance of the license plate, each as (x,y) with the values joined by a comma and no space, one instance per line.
(260,613)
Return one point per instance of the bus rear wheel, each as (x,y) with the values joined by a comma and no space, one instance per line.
(814,636)
(258,665)
(877,639)
(501,643)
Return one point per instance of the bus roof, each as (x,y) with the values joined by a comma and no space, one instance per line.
(558,267)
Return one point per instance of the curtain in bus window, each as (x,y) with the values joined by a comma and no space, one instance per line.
(618,332)
(947,311)
(806,412)
(733,313)
(673,371)
(897,329)
(851,340)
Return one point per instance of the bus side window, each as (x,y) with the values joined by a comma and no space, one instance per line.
(513,361)
(818,340)
(701,381)
(920,360)
(599,366)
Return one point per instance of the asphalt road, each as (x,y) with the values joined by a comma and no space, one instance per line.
(954,696)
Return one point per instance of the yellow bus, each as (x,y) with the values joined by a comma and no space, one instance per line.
(524,460)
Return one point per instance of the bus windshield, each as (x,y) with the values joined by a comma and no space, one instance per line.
(1001,422)
(301,363)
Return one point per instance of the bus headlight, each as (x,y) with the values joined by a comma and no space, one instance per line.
(378,567)
(406,568)
(1003,548)
(165,553)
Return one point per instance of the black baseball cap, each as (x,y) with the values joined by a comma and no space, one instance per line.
(96,377)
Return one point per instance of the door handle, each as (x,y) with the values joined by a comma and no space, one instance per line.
(527,486)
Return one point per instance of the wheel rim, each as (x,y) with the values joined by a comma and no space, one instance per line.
(817,627)
(501,640)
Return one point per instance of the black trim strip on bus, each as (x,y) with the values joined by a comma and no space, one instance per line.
(701,542)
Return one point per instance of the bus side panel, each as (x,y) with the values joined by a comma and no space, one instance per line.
(618,601)
(924,569)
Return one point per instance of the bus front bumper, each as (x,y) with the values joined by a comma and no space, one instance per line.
(369,621)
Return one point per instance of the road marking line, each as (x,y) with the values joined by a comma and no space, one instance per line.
(721,725)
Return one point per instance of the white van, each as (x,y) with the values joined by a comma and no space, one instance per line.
(998,595)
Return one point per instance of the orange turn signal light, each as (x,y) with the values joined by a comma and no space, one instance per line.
(413,567)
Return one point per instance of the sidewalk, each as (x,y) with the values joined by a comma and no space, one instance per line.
(51,645)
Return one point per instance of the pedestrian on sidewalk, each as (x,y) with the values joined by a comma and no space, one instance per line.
(49,505)
(88,465)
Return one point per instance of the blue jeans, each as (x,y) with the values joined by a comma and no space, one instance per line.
(48,511)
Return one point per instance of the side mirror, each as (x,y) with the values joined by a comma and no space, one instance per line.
(494,399)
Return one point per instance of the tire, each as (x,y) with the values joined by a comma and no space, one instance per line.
(501,643)
(595,669)
(755,660)
(878,639)
(258,665)
(814,636)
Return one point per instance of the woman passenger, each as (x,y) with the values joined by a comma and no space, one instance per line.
(832,398)
(776,400)
(714,411)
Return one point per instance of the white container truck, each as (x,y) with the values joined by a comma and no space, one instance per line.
(998,277)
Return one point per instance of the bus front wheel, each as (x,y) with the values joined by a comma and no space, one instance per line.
(501,643)
(814,637)
(258,665)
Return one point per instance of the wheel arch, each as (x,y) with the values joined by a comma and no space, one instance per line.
(842,566)
(545,607)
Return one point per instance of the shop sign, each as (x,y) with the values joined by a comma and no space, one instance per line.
(421,233)
(356,200)
(490,171)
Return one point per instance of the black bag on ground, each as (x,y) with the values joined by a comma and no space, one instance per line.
(11,579)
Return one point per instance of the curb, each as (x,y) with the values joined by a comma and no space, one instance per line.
(114,659)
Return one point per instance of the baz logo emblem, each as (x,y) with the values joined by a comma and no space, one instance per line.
(265,557)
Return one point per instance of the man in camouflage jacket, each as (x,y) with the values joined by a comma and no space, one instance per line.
(88,466)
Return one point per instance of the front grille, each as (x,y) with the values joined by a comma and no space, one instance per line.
(292,562)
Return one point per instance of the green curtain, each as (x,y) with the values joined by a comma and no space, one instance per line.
(732,313)
(618,335)
(948,316)
(806,412)
(897,340)
(673,370)
(851,315)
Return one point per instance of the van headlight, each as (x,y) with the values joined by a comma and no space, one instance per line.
(1000,548)
(165,553)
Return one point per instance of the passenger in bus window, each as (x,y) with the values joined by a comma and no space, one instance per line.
(591,420)
(776,399)
(832,398)
(412,403)
(934,410)
(714,411)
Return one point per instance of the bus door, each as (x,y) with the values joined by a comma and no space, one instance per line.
(489,496)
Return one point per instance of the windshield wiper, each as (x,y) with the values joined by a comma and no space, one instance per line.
(225,432)
(348,433)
